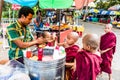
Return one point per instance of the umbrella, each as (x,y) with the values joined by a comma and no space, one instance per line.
(30,3)
(112,13)
(103,12)
(80,3)
(91,4)
(114,8)
(56,4)
(93,11)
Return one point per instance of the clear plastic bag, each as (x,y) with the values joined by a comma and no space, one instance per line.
(14,70)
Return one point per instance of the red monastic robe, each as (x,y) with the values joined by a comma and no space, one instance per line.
(108,40)
(70,56)
(87,66)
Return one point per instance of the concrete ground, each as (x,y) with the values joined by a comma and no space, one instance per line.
(89,28)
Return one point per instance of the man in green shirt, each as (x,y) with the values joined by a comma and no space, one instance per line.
(19,35)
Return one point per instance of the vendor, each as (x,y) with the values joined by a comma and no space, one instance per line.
(19,35)
(38,23)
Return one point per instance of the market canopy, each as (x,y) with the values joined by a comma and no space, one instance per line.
(114,8)
(92,4)
(80,3)
(56,4)
(93,11)
(30,3)
(105,12)
(59,4)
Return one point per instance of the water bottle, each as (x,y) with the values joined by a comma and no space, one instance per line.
(34,76)
(40,53)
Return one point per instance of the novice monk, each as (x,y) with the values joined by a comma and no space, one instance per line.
(87,60)
(71,51)
(49,37)
(107,49)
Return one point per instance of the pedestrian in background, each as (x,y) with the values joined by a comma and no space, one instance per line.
(107,49)
(38,23)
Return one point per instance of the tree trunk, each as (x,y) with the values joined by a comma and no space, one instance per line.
(84,17)
(1,4)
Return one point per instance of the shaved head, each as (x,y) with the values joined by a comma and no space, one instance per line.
(91,40)
(74,35)
(109,25)
(108,28)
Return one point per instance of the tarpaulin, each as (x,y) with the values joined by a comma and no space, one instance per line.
(80,3)
(30,3)
(56,4)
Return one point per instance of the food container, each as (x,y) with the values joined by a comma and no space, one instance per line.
(47,70)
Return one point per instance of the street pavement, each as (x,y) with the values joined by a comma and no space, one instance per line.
(90,27)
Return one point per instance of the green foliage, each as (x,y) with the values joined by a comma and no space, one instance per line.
(105,5)
(7,11)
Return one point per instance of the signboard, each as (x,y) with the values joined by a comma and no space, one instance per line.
(16,6)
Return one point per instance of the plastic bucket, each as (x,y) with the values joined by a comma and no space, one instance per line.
(47,70)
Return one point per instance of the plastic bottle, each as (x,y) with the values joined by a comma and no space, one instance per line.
(56,52)
(61,50)
(28,53)
(40,53)
(34,76)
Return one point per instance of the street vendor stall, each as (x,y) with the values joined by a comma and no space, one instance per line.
(52,63)
(116,24)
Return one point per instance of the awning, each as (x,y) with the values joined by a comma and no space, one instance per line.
(80,3)
(93,11)
(114,8)
(56,4)
(30,3)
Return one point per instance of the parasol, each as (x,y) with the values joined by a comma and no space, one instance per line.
(30,3)
(114,8)
(91,4)
(93,11)
(80,3)
(56,4)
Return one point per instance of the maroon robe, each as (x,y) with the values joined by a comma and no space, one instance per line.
(71,53)
(70,56)
(108,40)
(87,66)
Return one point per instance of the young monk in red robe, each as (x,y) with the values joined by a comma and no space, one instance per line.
(71,51)
(107,49)
(88,60)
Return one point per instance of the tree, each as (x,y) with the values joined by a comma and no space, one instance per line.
(1,4)
(102,4)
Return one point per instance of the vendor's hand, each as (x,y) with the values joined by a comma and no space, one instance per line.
(4,61)
(41,40)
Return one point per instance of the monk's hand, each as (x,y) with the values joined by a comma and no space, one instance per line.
(103,51)
(73,67)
